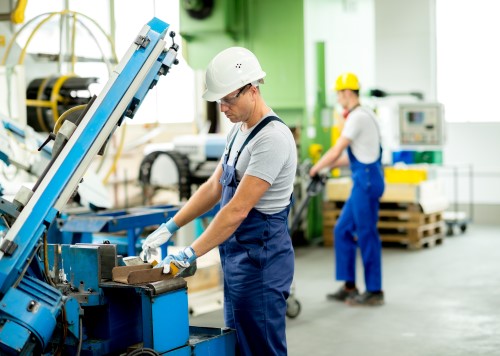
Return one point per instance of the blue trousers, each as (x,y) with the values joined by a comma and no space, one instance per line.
(359,218)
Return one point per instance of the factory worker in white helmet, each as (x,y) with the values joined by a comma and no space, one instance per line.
(253,184)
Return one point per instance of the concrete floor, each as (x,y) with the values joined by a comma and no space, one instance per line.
(439,301)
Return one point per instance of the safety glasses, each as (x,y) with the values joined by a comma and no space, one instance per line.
(232,100)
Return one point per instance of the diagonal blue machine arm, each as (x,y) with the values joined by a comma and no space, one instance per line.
(81,311)
(137,72)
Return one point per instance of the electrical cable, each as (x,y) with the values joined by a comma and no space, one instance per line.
(104,58)
(14,37)
(39,96)
(64,322)
(73,42)
(49,16)
(46,261)
(80,337)
(65,114)
(30,37)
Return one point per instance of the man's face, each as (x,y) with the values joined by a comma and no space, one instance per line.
(342,98)
(235,105)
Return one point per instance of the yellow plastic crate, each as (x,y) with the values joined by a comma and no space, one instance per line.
(405,175)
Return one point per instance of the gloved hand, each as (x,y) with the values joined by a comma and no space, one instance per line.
(182,260)
(157,238)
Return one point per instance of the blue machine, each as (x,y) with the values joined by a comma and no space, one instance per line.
(60,298)
(92,227)
(98,227)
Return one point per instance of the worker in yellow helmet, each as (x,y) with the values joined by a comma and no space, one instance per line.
(347,81)
(357,224)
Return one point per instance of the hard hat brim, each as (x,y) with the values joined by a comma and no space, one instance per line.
(213,96)
(210,96)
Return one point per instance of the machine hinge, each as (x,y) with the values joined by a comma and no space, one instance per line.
(8,247)
(142,41)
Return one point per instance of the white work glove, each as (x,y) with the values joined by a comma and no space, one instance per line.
(150,254)
(182,260)
(150,247)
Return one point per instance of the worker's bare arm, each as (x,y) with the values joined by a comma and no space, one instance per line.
(342,161)
(204,199)
(331,156)
(248,194)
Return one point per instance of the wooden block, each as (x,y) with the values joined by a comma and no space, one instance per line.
(139,274)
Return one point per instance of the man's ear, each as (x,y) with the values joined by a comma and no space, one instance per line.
(255,90)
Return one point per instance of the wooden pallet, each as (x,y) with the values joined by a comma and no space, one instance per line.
(403,223)
(328,235)
(427,235)
(331,213)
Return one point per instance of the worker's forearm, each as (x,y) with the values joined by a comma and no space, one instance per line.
(331,156)
(342,161)
(327,161)
(220,229)
(201,202)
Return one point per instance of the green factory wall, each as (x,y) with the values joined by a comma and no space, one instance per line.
(225,26)
(276,35)
(273,32)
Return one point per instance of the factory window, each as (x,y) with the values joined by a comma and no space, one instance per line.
(468,57)
(173,98)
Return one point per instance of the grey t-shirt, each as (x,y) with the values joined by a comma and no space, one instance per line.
(272,156)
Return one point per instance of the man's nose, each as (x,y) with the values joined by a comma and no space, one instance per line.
(223,107)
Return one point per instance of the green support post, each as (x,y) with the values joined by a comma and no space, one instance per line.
(322,125)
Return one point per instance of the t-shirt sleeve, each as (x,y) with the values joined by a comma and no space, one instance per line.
(351,128)
(268,156)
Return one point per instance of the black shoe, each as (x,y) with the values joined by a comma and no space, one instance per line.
(367,298)
(343,294)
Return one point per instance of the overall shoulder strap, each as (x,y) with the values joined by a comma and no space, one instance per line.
(256,130)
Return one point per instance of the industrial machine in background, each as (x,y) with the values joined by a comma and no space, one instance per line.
(421,125)
(189,159)
(21,163)
(421,136)
(60,299)
(47,97)
(19,154)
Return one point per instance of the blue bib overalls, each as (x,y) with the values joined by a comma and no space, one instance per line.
(258,265)
(359,218)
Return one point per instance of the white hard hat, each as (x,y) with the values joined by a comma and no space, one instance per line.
(229,70)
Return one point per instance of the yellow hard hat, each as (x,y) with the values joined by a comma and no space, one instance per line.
(347,81)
